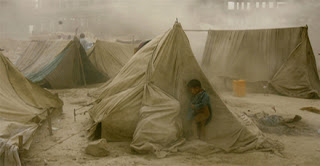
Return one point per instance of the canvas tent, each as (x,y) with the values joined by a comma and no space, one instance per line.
(318,63)
(22,105)
(58,64)
(146,102)
(110,57)
(282,57)
(13,49)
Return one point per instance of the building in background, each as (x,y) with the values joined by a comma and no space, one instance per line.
(248,14)
(269,13)
(255,13)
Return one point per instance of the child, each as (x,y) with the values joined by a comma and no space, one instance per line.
(200,109)
(85,43)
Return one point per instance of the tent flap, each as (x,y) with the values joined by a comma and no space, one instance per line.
(298,76)
(160,112)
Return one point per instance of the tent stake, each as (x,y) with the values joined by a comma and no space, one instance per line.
(49,122)
(74,115)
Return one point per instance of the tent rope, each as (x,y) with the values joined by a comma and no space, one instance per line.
(59,142)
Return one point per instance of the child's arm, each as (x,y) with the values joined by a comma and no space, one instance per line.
(204,102)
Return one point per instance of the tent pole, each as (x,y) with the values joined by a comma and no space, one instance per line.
(82,70)
(195,30)
(49,121)
(74,115)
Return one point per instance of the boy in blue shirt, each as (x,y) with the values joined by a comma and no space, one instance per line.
(200,109)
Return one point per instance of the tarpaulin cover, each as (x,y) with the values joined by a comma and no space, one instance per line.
(110,57)
(21,103)
(58,64)
(147,101)
(283,57)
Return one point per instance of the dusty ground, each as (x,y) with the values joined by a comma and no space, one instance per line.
(66,146)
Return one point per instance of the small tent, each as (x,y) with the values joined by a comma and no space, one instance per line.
(146,102)
(110,57)
(22,105)
(58,64)
(282,57)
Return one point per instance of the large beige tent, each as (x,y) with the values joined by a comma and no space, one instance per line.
(22,105)
(147,102)
(58,64)
(282,57)
(110,57)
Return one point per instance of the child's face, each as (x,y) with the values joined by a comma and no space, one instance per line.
(195,91)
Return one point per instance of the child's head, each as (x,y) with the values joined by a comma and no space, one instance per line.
(82,35)
(195,86)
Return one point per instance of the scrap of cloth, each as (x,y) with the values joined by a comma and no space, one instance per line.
(199,101)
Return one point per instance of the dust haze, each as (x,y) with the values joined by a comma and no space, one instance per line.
(131,99)
(145,19)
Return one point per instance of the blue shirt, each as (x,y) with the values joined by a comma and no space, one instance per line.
(86,44)
(200,101)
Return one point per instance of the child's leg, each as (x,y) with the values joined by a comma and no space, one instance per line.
(195,130)
(202,130)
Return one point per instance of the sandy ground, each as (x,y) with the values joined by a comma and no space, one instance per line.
(66,146)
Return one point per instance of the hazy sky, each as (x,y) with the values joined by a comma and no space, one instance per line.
(148,18)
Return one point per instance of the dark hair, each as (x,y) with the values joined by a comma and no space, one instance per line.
(82,35)
(194,83)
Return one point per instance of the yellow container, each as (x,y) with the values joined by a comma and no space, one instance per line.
(239,88)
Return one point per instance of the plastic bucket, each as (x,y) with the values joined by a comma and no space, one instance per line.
(239,88)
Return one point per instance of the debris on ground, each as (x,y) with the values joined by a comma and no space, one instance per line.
(97,148)
(311,109)
(55,128)
(275,120)
(288,125)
